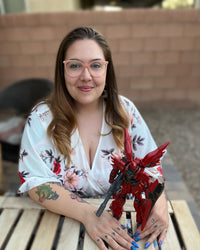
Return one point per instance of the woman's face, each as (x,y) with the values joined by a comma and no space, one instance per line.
(85,82)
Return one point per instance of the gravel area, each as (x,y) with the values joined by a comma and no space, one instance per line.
(180,124)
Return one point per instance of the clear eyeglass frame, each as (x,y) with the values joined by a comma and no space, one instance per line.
(76,72)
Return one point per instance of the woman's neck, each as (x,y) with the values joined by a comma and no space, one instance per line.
(90,108)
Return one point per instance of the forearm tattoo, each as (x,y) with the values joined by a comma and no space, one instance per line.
(76,197)
(45,193)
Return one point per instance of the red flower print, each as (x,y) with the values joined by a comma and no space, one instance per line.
(75,197)
(160,170)
(21,178)
(57,167)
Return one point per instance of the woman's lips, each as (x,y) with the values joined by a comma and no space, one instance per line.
(85,88)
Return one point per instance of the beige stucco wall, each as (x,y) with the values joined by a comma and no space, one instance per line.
(156,52)
(52,5)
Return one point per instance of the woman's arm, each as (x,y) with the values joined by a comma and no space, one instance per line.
(57,199)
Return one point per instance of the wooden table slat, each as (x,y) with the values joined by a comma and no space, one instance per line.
(2,199)
(123,220)
(97,202)
(133,222)
(89,244)
(7,219)
(16,202)
(46,231)
(20,216)
(187,226)
(23,230)
(170,210)
(71,238)
(171,241)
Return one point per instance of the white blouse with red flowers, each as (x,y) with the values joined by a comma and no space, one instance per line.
(40,162)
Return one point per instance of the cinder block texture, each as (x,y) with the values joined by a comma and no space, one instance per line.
(156,52)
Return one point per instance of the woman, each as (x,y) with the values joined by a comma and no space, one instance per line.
(68,141)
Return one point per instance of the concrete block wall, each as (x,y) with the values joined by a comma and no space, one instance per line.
(156,52)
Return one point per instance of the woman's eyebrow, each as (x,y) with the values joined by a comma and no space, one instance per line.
(75,59)
(97,59)
(92,60)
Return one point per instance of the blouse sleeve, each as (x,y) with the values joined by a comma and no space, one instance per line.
(37,154)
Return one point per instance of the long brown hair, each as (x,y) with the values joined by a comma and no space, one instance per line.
(61,103)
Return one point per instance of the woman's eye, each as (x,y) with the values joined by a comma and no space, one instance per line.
(96,65)
(74,65)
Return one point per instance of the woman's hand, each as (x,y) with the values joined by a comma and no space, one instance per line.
(157,223)
(107,229)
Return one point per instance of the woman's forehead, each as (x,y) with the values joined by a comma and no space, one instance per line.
(84,49)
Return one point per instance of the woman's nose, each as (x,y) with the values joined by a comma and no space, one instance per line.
(85,75)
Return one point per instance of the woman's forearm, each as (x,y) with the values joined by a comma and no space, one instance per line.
(57,199)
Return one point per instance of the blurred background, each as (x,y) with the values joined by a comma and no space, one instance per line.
(30,6)
(156,52)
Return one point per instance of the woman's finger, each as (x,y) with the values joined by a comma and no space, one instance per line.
(123,234)
(100,243)
(153,237)
(115,241)
(153,223)
(124,239)
(149,229)
(162,237)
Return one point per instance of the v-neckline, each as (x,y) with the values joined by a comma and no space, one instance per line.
(99,142)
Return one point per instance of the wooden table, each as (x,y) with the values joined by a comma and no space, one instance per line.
(26,225)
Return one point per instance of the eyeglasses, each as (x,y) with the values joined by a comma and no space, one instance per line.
(75,68)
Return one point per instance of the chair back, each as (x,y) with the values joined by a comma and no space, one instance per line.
(17,100)
(23,95)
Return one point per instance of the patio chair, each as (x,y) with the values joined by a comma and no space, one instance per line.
(21,96)
(16,101)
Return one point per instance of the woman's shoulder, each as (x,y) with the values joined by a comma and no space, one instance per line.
(41,112)
(127,103)
(40,107)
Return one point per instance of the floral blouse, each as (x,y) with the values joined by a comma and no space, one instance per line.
(40,162)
